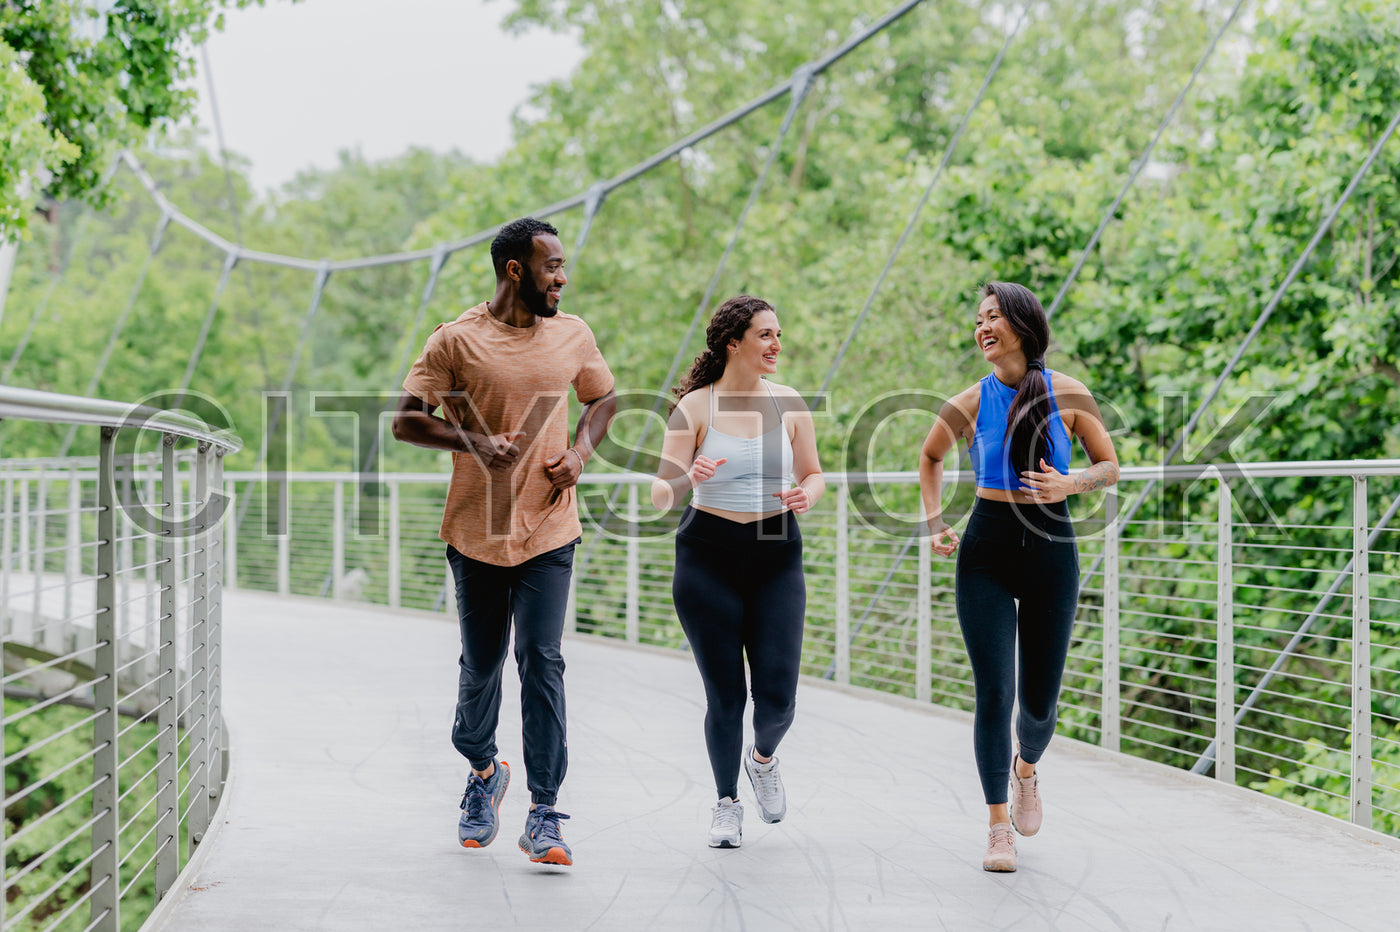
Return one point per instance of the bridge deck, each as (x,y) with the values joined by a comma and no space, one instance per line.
(342,812)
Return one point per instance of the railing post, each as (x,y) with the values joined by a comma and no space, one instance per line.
(228,535)
(198,723)
(154,543)
(1111,722)
(395,552)
(105,883)
(7,529)
(24,551)
(843,584)
(923,622)
(54,634)
(284,540)
(167,686)
(338,540)
(634,568)
(213,531)
(72,541)
(1360,659)
(1225,638)
(125,561)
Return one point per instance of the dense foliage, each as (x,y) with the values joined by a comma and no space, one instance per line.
(81,81)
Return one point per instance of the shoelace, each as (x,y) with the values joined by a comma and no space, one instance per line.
(726,819)
(547,824)
(767,781)
(1025,788)
(474,799)
(1001,837)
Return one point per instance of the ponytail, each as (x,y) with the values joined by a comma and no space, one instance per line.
(1028,418)
(730,322)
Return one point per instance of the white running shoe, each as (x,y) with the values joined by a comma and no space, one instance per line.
(726,826)
(767,787)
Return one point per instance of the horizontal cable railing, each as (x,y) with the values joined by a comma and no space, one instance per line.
(110,612)
(1231,630)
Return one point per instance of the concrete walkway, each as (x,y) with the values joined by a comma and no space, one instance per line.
(343,810)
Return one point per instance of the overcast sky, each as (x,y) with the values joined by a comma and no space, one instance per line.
(296,83)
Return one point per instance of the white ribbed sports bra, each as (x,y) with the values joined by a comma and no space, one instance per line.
(755,467)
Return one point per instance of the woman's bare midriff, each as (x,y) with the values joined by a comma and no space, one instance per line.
(1005,495)
(739,517)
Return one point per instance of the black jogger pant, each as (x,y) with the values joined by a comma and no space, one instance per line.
(739,589)
(535,595)
(1012,554)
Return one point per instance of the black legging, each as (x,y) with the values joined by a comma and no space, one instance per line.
(1011,553)
(739,589)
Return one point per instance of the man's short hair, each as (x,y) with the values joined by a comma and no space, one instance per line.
(516,240)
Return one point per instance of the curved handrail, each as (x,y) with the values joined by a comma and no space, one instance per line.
(29,404)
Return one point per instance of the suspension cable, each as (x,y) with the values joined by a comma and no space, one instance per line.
(1259,322)
(78,233)
(120,325)
(928,190)
(1141,163)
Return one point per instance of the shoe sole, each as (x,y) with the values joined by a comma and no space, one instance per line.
(999,870)
(554,855)
(495,808)
(726,843)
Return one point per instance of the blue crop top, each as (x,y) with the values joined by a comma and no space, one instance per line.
(755,467)
(991,456)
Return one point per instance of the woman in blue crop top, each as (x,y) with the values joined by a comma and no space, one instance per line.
(1017,578)
(739,442)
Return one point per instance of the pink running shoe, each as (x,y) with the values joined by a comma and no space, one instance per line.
(1026,814)
(1001,849)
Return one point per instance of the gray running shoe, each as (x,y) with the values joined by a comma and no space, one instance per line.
(767,787)
(727,824)
(481,805)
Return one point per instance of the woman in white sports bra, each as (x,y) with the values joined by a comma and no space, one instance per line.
(739,442)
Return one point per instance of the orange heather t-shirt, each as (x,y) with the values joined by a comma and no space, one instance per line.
(489,377)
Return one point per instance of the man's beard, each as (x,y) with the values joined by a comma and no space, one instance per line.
(535,301)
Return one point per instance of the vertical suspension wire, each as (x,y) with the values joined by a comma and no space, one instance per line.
(1209,755)
(918,208)
(992,70)
(800,86)
(1142,161)
(1261,320)
(79,234)
(597,193)
(230,260)
(323,275)
(120,325)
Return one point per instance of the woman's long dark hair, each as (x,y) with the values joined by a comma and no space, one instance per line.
(1028,419)
(730,322)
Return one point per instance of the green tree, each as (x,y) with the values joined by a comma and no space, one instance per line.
(80,81)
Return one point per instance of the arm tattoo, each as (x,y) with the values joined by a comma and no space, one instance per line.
(1097,476)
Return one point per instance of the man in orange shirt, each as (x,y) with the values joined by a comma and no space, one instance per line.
(501,374)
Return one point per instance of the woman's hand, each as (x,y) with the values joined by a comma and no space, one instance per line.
(944,538)
(795,500)
(1048,485)
(704,468)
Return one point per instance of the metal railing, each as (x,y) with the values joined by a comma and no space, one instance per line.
(1245,623)
(110,610)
